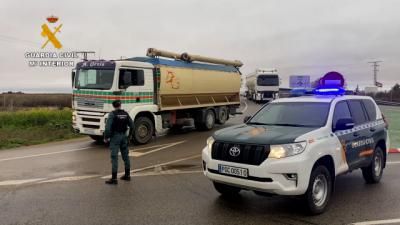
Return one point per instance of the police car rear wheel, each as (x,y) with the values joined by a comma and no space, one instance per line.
(319,190)
(144,130)
(226,190)
(373,173)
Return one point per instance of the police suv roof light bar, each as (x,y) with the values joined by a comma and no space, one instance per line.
(331,83)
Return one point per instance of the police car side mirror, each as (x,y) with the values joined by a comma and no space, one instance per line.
(344,124)
(246,118)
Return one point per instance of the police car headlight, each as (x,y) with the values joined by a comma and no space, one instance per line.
(281,151)
(210,142)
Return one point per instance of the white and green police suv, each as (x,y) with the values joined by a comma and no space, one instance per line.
(297,146)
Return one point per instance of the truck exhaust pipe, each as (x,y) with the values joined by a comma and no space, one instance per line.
(153,52)
(190,58)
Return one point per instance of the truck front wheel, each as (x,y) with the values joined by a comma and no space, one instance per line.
(319,190)
(97,139)
(144,129)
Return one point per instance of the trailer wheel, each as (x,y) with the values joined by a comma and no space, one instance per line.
(144,129)
(208,122)
(223,115)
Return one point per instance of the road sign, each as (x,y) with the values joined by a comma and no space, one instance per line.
(299,81)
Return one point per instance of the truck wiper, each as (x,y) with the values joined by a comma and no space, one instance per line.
(256,123)
(289,125)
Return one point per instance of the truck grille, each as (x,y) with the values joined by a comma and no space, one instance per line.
(249,153)
(89,102)
(268,94)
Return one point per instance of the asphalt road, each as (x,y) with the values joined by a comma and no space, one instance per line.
(63,183)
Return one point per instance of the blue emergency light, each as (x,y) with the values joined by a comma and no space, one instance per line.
(331,83)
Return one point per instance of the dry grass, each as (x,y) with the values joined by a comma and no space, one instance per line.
(20,101)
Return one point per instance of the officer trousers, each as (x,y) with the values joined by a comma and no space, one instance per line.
(119,142)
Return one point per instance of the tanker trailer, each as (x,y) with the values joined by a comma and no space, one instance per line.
(161,91)
(262,85)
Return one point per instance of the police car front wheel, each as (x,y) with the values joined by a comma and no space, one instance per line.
(373,173)
(319,190)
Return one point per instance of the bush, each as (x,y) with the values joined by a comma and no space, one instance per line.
(34,126)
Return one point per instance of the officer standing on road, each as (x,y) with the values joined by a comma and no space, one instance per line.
(117,124)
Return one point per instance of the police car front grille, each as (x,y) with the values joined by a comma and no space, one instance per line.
(249,153)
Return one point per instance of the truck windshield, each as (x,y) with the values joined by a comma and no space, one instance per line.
(296,114)
(268,80)
(94,79)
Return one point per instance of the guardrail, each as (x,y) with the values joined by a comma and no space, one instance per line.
(380,102)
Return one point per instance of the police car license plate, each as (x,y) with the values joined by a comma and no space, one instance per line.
(235,171)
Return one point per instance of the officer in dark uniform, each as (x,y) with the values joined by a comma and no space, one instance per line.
(117,125)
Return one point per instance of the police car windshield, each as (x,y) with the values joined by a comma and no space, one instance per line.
(296,114)
(101,79)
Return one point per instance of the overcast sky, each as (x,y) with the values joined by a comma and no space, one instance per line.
(297,37)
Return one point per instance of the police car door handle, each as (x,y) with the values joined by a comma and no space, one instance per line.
(372,129)
(356,134)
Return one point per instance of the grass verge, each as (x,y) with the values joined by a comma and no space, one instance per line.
(393,117)
(34,126)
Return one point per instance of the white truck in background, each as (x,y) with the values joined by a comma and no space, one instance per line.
(263,85)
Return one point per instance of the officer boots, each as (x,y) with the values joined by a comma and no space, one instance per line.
(127,176)
(113,179)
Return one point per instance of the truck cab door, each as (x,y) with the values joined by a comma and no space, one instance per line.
(134,86)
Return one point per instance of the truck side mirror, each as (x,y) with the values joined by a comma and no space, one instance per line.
(344,124)
(73,73)
(246,118)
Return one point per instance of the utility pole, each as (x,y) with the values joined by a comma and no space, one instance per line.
(85,54)
(375,64)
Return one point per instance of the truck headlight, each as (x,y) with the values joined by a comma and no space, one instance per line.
(286,150)
(73,118)
(210,142)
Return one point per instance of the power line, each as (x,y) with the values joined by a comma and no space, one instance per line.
(375,64)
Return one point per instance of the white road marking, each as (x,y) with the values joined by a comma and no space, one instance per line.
(149,147)
(18,182)
(245,107)
(389,221)
(44,154)
(167,172)
(138,154)
(157,165)
(72,178)
(392,162)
